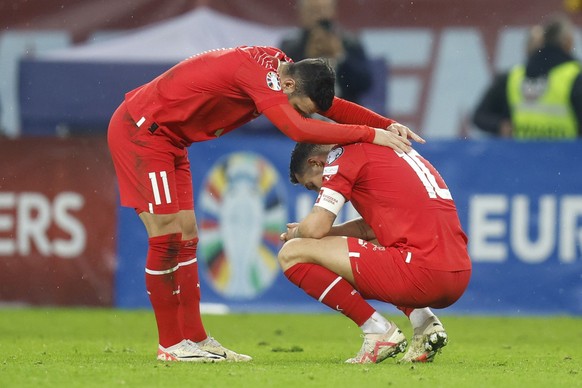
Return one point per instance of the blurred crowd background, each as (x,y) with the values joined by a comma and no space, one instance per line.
(432,60)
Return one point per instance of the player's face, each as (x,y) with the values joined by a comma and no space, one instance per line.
(312,179)
(303,105)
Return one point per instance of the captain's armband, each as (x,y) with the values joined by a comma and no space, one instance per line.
(330,200)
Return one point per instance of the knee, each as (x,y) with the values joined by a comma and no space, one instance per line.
(160,224)
(188,224)
(167,221)
(288,255)
(189,230)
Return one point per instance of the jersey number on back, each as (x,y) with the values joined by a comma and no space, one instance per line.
(426,177)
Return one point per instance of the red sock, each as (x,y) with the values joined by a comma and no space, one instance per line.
(161,264)
(330,289)
(188,282)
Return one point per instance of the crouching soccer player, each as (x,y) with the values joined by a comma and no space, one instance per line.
(408,249)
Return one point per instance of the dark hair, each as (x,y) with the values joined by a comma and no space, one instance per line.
(314,78)
(299,156)
(556,29)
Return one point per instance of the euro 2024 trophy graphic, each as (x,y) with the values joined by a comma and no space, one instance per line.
(242,210)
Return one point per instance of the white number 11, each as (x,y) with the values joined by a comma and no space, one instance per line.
(156,190)
(426,177)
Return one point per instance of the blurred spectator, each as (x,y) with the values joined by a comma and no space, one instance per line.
(321,36)
(492,114)
(541,99)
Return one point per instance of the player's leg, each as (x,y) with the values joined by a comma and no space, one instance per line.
(161,263)
(187,279)
(429,335)
(187,276)
(386,274)
(321,267)
(135,170)
(146,183)
(329,252)
(158,211)
(418,317)
(162,272)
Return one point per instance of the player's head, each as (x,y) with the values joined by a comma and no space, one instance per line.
(307,162)
(309,85)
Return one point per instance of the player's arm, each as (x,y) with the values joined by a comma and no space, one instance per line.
(306,130)
(317,224)
(357,228)
(347,112)
(319,221)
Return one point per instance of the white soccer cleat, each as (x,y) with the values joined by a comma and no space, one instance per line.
(425,346)
(186,351)
(378,347)
(212,346)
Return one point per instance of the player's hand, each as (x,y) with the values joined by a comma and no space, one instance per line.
(288,235)
(387,138)
(405,132)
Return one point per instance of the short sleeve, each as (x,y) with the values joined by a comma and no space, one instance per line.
(258,78)
(342,168)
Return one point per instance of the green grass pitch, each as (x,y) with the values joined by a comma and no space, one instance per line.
(108,348)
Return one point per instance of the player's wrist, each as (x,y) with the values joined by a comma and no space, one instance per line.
(295,233)
(377,136)
(374,136)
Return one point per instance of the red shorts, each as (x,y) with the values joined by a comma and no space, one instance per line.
(152,172)
(382,273)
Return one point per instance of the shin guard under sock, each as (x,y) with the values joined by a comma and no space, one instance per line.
(188,282)
(161,264)
(331,290)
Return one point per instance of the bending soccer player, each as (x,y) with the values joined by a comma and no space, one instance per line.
(408,249)
(202,98)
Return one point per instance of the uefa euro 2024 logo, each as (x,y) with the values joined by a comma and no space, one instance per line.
(241,212)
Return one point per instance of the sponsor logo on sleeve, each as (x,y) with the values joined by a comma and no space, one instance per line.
(330,170)
(334,155)
(273,81)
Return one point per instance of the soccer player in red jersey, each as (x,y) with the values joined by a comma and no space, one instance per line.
(199,99)
(407,249)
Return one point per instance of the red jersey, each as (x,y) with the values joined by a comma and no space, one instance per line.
(210,94)
(403,198)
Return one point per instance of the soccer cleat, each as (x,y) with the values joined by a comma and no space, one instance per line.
(186,351)
(212,346)
(378,347)
(425,346)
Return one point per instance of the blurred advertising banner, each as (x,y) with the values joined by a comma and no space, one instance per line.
(520,205)
(57,222)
